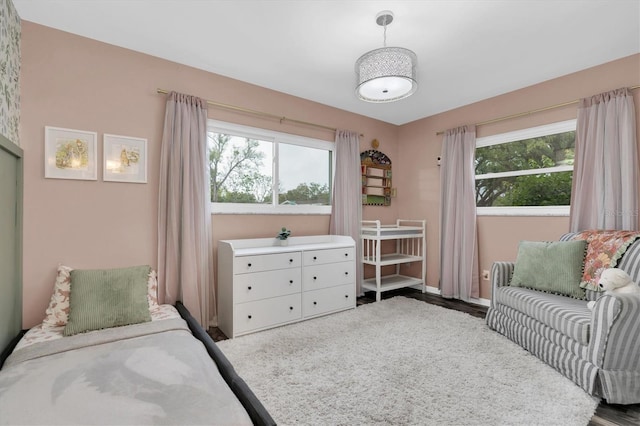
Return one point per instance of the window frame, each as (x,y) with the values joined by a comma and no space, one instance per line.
(276,138)
(518,135)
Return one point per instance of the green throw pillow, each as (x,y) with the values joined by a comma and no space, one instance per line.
(554,267)
(107,298)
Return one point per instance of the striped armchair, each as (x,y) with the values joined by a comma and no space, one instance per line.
(599,350)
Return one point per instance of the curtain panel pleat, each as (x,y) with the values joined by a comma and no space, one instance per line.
(458,234)
(185,271)
(346,208)
(605,175)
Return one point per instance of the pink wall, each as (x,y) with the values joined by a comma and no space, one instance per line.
(417,175)
(74,82)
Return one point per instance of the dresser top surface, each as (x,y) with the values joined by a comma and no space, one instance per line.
(259,246)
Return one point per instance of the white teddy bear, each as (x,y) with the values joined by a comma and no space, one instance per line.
(614,280)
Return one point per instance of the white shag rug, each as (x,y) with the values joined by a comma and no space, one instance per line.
(402,362)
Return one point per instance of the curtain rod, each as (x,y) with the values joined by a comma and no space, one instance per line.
(262,114)
(522,114)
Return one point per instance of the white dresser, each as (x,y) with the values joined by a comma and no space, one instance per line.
(262,284)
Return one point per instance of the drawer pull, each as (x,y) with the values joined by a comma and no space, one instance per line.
(346,296)
(249,316)
(346,273)
(290,281)
(315,303)
(249,288)
(315,278)
(290,260)
(248,265)
(291,308)
(346,255)
(315,258)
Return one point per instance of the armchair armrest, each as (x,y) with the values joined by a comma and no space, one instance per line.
(614,345)
(615,335)
(501,273)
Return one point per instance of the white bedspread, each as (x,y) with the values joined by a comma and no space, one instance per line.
(150,373)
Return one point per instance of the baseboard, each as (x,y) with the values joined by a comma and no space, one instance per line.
(481,302)
(433,290)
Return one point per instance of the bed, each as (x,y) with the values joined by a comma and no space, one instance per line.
(164,369)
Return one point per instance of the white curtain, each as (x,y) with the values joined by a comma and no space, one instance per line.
(346,209)
(458,236)
(185,271)
(605,175)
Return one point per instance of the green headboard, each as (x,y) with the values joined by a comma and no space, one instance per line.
(11,172)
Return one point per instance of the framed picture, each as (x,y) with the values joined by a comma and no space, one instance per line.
(70,154)
(125,159)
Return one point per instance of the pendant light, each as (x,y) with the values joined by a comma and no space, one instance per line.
(387,74)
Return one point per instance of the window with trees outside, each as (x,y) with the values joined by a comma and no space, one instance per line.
(261,171)
(526,172)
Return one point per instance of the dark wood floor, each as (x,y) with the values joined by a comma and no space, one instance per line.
(606,414)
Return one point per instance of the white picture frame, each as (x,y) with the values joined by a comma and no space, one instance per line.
(124,159)
(70,154)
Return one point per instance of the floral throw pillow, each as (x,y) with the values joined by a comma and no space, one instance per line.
(152,290)
(57,314)
(605,248)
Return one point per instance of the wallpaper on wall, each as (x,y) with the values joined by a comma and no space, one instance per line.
(9,71)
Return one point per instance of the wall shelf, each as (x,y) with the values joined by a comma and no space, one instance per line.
(376,178)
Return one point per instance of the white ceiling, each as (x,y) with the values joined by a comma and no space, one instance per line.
(468,50)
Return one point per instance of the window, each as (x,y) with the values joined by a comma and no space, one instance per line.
(260,171)
(526,172)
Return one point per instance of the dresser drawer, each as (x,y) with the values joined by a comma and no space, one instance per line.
(267,262)
(318,302)
(330,275)
(262,285)
(265,313)
(320,257)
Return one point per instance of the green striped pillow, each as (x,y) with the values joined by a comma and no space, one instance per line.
(107,298)
(553,267)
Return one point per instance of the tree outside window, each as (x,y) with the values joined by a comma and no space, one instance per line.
(253,170)
(535,171)
(236,169)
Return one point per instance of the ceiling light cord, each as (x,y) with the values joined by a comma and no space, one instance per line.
(384,23)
